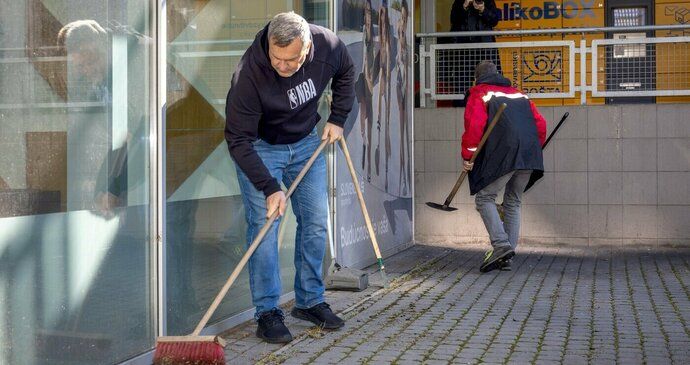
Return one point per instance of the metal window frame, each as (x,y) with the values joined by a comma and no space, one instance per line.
(410,109)
(157,150)
(655,40)
(537,44)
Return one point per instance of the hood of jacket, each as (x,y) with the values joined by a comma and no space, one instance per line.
(493,79)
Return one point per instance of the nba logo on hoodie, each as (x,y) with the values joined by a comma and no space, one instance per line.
(301,93)
(292,95)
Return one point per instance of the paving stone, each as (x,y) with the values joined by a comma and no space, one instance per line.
(448,312)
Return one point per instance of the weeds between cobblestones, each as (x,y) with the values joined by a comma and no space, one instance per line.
(419,313)
(590,353)
(678,277)
(359,307)
(616,337)
(514,345)
(540,342)
(675,306)
(511,349)
(463,345)
(428,353)
(449,260)
(656,310)
(557,305)
(436,318)
(571,310)
(634,311)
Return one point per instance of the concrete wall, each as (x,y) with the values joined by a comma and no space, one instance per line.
(615,175)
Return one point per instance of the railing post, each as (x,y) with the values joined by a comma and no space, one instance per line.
(422,74)
(583,70)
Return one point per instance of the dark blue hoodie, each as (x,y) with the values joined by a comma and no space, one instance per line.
(282,110)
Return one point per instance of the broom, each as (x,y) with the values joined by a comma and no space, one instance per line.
(208,350)
(365,213)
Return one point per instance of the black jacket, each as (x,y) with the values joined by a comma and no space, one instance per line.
(462,20)
(262,104)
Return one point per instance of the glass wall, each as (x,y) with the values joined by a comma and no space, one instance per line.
(77,263)
(75,253)
(205,215)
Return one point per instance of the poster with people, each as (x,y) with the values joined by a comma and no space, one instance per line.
(378,35)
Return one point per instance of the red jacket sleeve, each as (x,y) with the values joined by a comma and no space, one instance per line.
(475,121)
(540,122)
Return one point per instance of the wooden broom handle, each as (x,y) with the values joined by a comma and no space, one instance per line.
(257,240)
(370,228)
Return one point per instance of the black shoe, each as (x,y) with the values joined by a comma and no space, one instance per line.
(271,327)
(494,258)
(321,315)
(507,265)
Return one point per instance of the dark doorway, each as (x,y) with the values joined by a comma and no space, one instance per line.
(630,67)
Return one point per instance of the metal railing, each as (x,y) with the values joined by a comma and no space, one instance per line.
(630,65)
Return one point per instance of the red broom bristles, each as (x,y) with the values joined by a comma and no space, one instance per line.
(189,353)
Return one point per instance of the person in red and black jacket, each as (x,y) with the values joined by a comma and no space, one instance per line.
(510,155)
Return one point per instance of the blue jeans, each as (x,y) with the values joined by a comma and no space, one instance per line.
(310,205)
(503,233)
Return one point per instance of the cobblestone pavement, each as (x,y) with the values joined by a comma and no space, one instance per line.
(559,304)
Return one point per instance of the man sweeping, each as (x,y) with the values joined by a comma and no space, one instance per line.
(271,117)
(511,154)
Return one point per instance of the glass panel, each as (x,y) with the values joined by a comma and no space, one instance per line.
(629,17)
(75,274)
(205,215)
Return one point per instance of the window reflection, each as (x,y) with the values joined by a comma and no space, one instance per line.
(75,268)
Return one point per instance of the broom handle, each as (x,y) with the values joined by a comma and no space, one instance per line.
(367,220)
(255,244)
(555,130)
(497,116)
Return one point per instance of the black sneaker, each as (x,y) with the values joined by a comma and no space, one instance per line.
(321,315)
(494,258)
(271,327)
(507,265)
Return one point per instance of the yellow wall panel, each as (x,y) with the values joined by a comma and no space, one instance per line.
(594,17)
(541,14)
(548,102)
(672,59)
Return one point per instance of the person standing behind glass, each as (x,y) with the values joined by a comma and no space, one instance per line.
(472,16)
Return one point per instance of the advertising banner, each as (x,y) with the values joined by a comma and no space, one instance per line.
(378,35)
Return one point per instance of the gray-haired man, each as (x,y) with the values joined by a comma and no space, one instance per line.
(271,117)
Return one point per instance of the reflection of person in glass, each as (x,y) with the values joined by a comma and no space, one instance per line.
(402,62)
(86,44)
(87,79)
(384,84)
(365,85)
(468,16)
(270,139)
